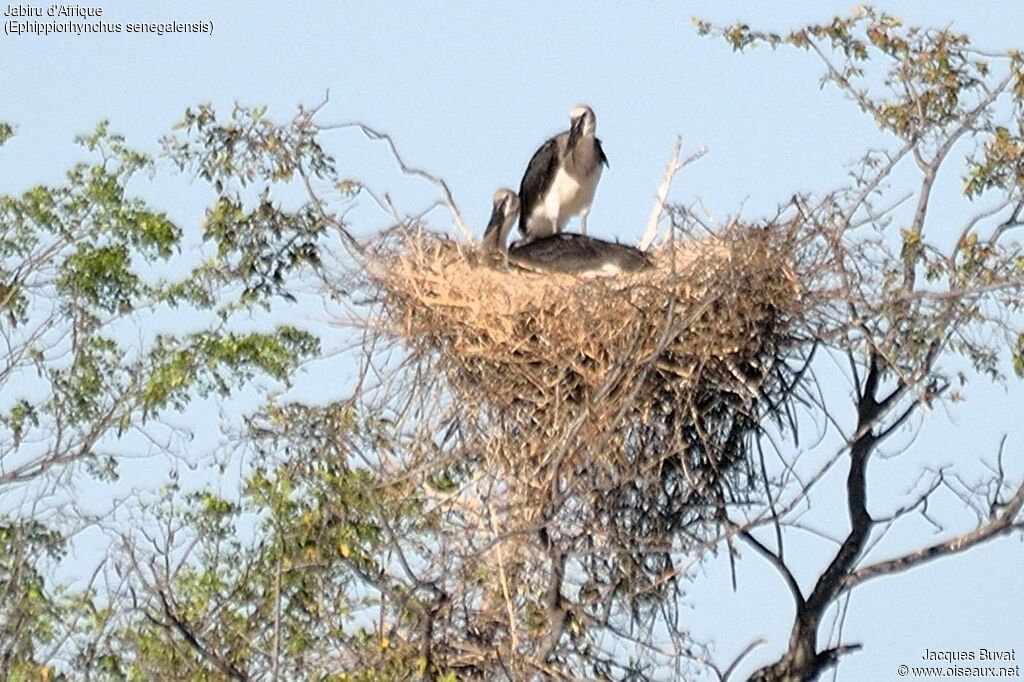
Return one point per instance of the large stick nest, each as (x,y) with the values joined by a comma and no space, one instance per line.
(621,406)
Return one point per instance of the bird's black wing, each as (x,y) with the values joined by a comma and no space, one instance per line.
(540,173)
(600,153)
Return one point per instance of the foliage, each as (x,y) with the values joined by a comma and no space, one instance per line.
(75,277)
(263,245)
(27,612)
(305,593)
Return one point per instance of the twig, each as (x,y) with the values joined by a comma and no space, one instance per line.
(998,524)
(411,170)
(673,167)
(659,202)
(503,579)
(739,658)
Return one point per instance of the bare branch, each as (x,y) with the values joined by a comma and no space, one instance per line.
(727,673)
(778,564)
(438,182)
(671,169)
(1002,522)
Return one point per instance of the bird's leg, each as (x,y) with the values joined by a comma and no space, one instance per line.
(583,222)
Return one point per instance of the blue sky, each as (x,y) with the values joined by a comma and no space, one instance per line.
(468,91)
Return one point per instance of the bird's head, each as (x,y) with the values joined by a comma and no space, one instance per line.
(584,122)
(504,212)
(507,202)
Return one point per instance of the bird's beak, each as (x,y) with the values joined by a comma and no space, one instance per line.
(577,126)
(497,217)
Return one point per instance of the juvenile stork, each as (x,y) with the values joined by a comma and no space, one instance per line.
(570,253)
(503,216)
(561,178)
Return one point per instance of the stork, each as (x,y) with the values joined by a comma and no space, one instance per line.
(578,254)
(561,178)
(503,216)
(565,252)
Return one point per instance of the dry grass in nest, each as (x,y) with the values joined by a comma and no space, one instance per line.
(622,405)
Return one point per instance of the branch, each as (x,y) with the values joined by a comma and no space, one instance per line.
(502,577)
(411,170)
(999,524)
(723,676)
(225,667)
(781,548)
(556,611)
(671,169)
(842,81)
(830,657)
(779,565)
(346,236)
(874,183)
(931,170)
(1008,224)
(673,166)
